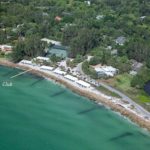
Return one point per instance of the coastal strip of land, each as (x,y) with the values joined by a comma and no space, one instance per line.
(91,94)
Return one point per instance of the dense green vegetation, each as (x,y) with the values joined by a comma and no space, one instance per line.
(85,29)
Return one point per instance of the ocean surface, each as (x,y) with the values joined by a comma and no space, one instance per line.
(36,114)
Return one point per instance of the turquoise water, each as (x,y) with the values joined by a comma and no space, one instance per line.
(36,114)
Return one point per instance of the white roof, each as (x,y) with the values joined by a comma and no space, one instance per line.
(71,77)
(46,68)
(26,62)
(3,47)
(51,41)
(59,72)
(85,84)
(108,70)
(42,58)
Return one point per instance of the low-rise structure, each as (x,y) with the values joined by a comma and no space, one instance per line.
(133,73)
(103,71)
(59,51)
(83,84)
(41,59)
(99,17)
(51,41)
(57,71)
(88,3)
(6,48)
(120,40)
(71,78)
(46,68)
(58,18)
(27,62)
(136,66)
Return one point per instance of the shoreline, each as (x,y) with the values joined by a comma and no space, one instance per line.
(83,92)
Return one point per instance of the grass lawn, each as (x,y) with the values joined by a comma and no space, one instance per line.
(143,97)
(122,83)
(107,92)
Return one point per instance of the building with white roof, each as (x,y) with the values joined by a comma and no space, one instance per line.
(108,71)
(40,58)
(5,48)
(47,68)
(83,84)
(71,78)
(120,40)
(51,41)
(27,62)
(60,72)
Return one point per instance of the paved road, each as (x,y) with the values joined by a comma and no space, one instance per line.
(124,97)
(79,68)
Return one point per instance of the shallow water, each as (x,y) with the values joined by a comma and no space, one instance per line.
(36,114)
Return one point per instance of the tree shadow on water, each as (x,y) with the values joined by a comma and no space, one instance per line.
(58,93)
(124,135)
(90,109)
(36,82)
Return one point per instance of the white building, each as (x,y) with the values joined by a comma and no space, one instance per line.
(108,71)
(26,62)
(71,78)
(88,3)
(120,40)
(98,17)
(83,84)
(40,58)
(47,68)
(51,41)
(5,48)
(59,72)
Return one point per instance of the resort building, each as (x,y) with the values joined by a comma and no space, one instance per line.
(71,78)
(49,41)
(26,62)
(46,68)
(59,72)
(41,59)
(59,51)
(58,18)
(120,40)
(108,71)
(83,84)
(6,48)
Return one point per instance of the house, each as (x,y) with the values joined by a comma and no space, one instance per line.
(109,47)
(114,52)
(59,51)
(142,17)
(58,18)
(136,66)
(133,73)
(88,3)
(99,17)
(120,40)
(107,71)
(89,57)
(6,48)
(83,84)
(49,41)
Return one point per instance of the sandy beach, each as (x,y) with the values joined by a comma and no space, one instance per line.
(91,94)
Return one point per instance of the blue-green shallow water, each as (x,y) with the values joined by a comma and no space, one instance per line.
(36,114)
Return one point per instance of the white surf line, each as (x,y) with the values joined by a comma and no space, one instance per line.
(20,73)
